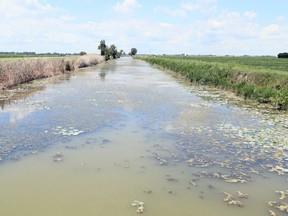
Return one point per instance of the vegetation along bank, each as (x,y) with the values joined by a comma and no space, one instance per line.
(20,70)
(263,79)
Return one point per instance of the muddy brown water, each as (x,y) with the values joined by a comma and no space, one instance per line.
(127,131)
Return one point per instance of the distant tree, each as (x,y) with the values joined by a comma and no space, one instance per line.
(122,52)
(119,54)
(113,51)
(133,51)
(83,53)
(283,55)
(102,47)
(107,54)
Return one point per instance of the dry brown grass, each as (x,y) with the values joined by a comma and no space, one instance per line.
(88,60)
(17,71)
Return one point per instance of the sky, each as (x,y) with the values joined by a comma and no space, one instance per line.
(194,27)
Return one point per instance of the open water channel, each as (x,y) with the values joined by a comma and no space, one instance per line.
(96,142)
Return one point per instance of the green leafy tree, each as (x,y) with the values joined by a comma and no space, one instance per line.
(113,51)
(119,54)
(83,53)
(102,47)
(283,55)
(133,51)
(107,54)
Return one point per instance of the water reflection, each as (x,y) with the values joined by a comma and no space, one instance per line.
(102,75)
(12,96)
(25,91)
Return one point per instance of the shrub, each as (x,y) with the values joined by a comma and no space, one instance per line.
(283,55)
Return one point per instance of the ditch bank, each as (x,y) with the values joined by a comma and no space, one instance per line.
(269,87)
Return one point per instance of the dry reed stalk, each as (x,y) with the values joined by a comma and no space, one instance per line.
(88,60)
(14,72)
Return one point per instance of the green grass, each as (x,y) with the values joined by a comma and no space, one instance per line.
(264,79)
(2,56)
(254,63)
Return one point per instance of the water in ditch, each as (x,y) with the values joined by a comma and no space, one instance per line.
(101,140)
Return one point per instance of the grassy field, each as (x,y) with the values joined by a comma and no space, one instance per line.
(264,79)
(14,71)
(253,63)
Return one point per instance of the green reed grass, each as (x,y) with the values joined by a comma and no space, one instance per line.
(261,79)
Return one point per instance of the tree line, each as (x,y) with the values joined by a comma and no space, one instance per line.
(112,52)
(283,55)
(40,54)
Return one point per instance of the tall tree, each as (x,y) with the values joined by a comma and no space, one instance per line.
(283,55)
(113,51)
(107,54)
(102,47)
(133,51)
(119,54)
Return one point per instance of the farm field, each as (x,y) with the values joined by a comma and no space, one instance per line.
(254,63)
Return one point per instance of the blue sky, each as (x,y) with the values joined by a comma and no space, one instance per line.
(218,27)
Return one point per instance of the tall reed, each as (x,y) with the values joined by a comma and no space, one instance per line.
(17,71)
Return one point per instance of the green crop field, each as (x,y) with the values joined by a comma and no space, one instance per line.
(254,63)
(264,79)
(5,56)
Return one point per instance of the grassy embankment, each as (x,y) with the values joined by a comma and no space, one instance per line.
(20,70)
(264,79)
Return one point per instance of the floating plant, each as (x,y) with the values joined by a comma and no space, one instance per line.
(70,131)
(139,205)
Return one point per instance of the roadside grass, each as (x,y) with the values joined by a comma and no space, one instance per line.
(250,77)
(20,70)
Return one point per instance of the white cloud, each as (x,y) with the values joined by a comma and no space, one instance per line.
(67,18)
(83,1)
(190,6)
(203,6)
(280,18)
(178,12)
(127,6)
(43,28)
(271,30)
(17,8)
(247,38)
(250,14)
(215,23)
